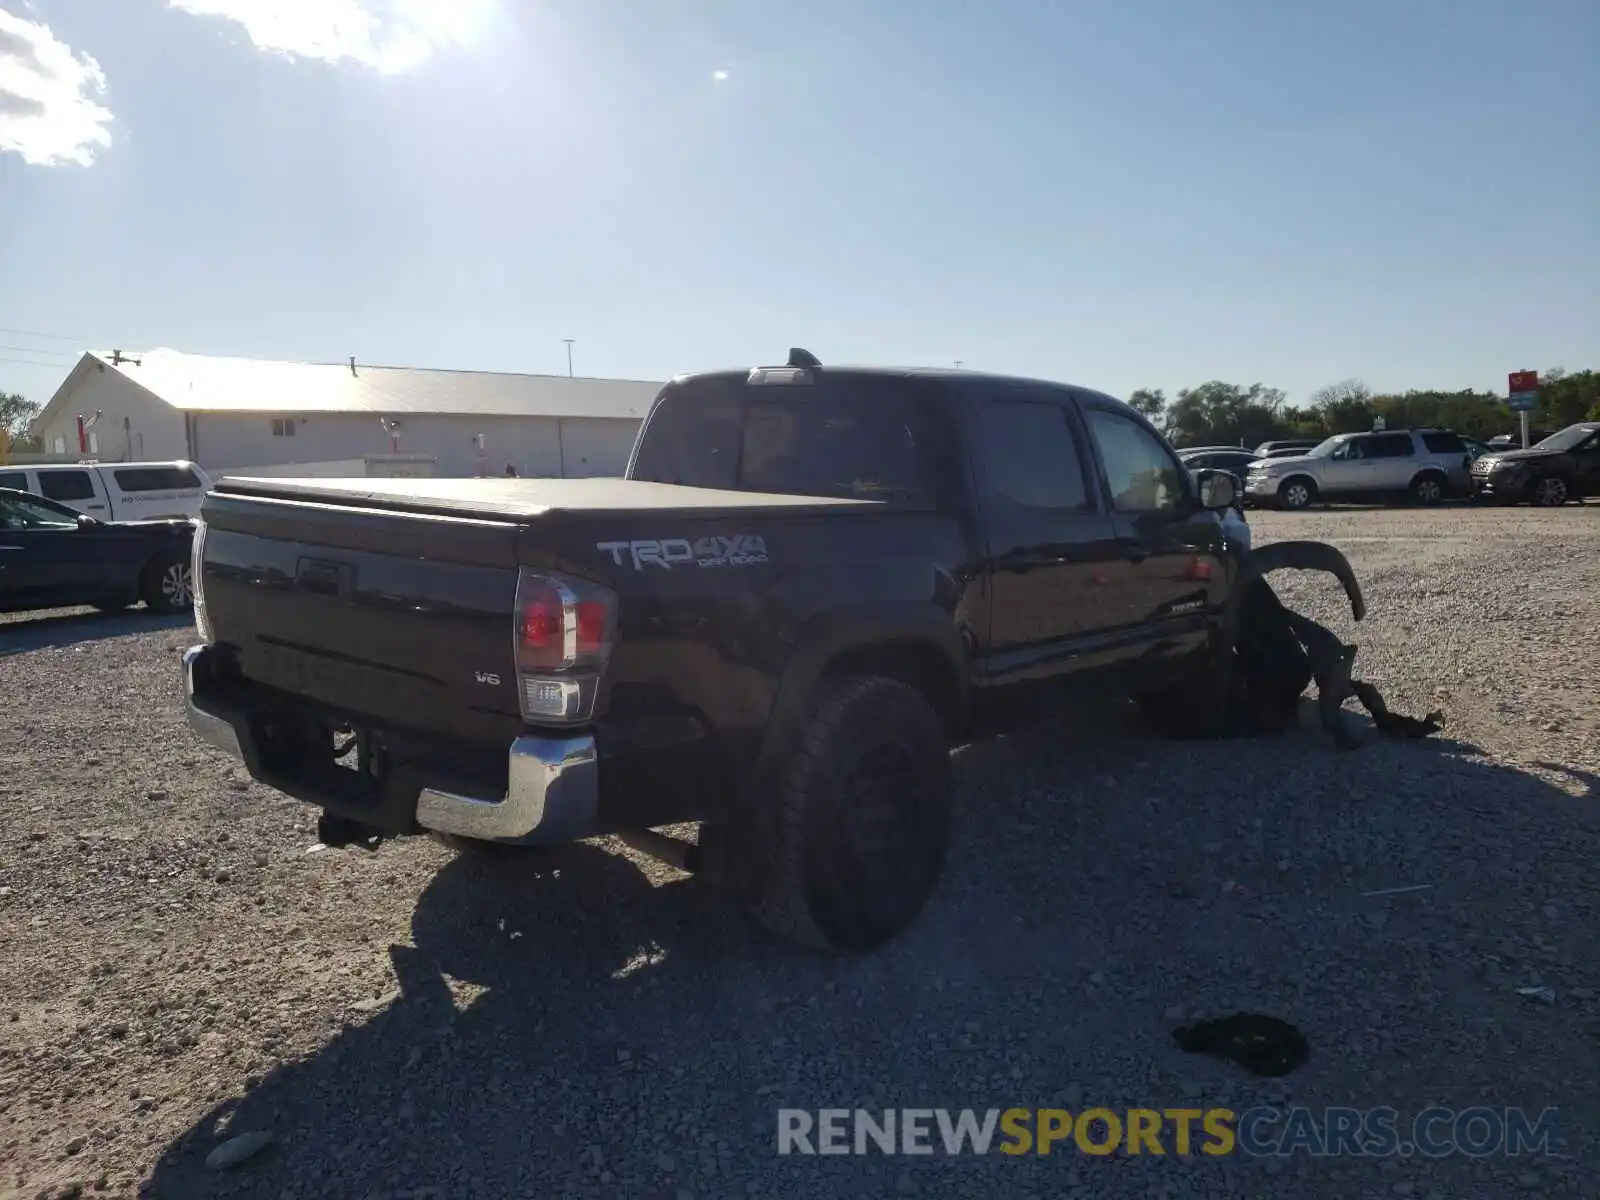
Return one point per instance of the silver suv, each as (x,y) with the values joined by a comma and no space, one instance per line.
(1425,464)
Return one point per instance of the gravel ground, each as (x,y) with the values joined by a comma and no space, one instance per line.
(179,966)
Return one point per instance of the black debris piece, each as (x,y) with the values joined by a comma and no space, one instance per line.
(1260,1044)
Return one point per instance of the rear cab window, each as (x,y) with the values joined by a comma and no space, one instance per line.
(869,437)
(155,479)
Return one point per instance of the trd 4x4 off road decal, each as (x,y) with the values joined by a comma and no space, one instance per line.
(666,553)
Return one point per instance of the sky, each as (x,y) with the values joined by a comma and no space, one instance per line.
(1150,193)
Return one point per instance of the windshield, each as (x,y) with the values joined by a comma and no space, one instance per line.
(1571,436)
(1324,448)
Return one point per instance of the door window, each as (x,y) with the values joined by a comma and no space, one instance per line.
(66,486)
(15,480)
(1144,476)
(21,515)
(1390,445)
(1029,456)
(1354,450)
(1443,443)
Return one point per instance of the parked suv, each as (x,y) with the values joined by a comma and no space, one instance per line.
(1426,464)
(1564,466)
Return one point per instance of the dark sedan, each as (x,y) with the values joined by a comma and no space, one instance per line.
(52,556)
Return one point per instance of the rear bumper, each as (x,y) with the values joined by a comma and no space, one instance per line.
(552,791)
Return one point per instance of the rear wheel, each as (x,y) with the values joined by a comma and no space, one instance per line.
(167,585)
(1428,488)
(1296,493)
(853,842)
(1550,491)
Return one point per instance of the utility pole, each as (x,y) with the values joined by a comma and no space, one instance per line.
(569,342)
(958,364)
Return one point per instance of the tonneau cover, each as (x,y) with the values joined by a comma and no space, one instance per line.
(522,498)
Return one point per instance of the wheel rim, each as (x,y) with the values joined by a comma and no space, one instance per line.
(1552,491)
(1429,491)
(1296,495)
(177,586)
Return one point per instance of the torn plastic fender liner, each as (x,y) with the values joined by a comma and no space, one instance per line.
(1298,556)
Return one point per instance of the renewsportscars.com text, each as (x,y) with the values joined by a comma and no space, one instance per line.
(1337,1132)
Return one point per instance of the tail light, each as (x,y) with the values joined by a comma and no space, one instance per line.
(563,639)
(197,555)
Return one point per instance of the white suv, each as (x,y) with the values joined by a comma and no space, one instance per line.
(1425,464)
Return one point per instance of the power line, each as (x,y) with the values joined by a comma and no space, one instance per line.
(32,362)
(36,350)
(54,337)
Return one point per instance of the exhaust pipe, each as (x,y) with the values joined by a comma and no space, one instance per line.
(685,856)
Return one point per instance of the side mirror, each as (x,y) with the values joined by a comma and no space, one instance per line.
(86,521)
(1219,490)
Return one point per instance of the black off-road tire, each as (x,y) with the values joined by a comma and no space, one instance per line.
(167,585)
(852,842)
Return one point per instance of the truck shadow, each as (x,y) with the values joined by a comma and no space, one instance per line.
(71,627)
(566,1026)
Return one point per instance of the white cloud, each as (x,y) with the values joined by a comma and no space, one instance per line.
(386,35)
(48,109)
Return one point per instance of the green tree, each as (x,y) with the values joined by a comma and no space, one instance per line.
(1343,407)
(1152,402)
(1566,398)
(16,414)
(1226,414)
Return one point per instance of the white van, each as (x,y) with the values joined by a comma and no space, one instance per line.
(142,491)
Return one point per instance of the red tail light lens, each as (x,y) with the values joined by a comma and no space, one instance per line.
(564,632)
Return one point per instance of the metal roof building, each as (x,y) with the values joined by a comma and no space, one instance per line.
(231,414)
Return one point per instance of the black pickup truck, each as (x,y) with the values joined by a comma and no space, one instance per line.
(811,583)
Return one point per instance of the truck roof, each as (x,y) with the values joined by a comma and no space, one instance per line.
(521,498)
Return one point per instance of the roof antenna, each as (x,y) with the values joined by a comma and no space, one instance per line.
(802,358)
(352,364)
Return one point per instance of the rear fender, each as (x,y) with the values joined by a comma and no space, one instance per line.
(923,642)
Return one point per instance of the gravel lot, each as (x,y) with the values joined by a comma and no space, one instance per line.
(177,967)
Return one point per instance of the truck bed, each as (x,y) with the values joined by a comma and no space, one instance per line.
(514,499)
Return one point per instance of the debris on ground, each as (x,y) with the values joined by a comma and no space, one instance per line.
(1260,1044)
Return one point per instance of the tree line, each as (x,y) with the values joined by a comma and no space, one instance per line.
(1227,414)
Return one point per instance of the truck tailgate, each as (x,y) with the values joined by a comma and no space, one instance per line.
(402,618)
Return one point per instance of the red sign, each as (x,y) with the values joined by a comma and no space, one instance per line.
(1524,381)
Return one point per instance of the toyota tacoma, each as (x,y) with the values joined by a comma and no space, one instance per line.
(810,584)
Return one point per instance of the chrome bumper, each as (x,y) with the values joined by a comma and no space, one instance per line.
(553,794)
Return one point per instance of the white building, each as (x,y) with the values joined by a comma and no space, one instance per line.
(229,414)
